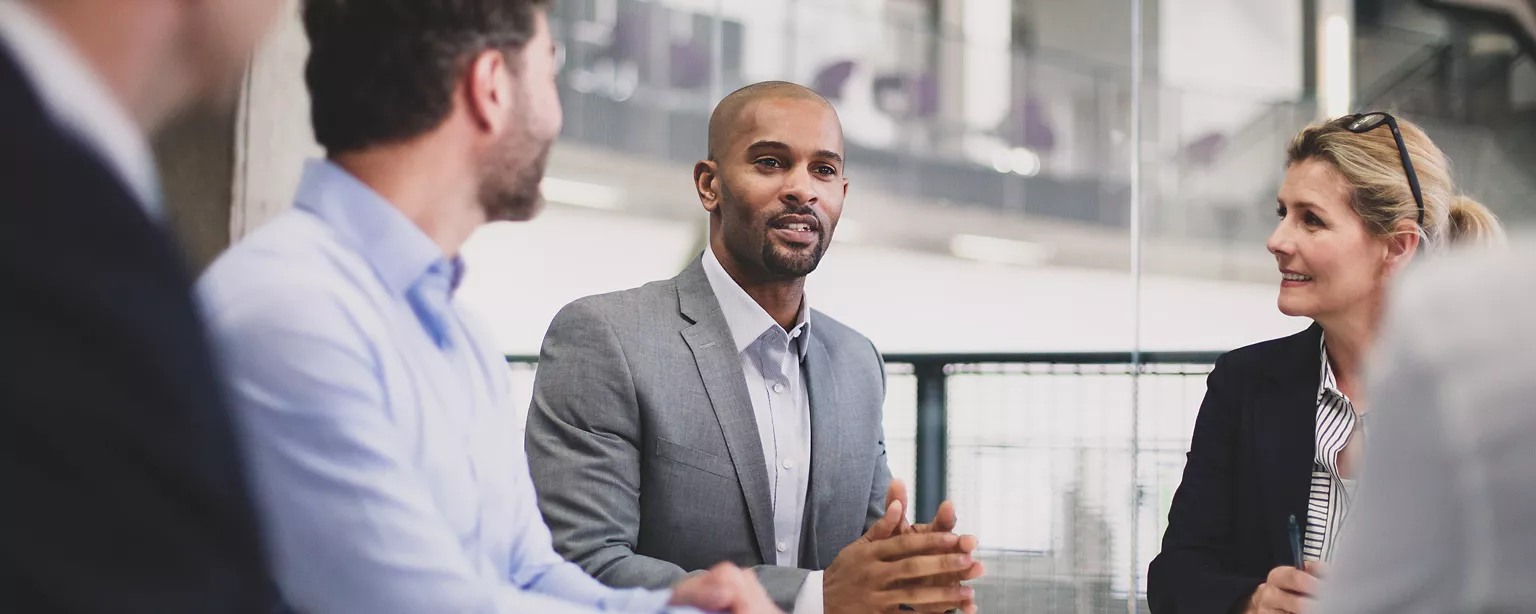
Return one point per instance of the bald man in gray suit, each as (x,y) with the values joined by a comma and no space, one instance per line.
(716,416)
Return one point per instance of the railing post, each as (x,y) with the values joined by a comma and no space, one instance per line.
(932,439)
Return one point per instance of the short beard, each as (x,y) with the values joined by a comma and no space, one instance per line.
(794,264)
(509,187)
(784,264)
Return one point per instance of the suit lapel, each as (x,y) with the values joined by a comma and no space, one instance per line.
(1285,423)
(714,353)
(828,428)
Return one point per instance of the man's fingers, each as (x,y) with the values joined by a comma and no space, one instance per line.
(714,590)
(938,608)
(923,567)
(1317,569)
(944,521)
(886,525)
(753,598)
(913,544)
(920,596)
(896,492)
(975,571)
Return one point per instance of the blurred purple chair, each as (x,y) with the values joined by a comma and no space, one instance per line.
(907,97)
(1026,126)
(1205,150)
(688,62)
(832,79)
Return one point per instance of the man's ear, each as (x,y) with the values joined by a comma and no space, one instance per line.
(487,90)
(706,181)
(1402,244)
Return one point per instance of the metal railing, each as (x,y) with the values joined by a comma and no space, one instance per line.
(1035,450)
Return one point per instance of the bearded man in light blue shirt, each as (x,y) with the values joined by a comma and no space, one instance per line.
(380,430)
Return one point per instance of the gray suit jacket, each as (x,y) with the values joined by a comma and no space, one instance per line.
(645,452)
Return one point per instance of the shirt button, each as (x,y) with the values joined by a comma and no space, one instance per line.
(782,546)
(778,388)
(789,464)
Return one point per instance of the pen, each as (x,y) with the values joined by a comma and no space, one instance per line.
(1296,544)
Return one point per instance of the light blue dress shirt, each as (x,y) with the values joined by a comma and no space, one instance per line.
(380,428)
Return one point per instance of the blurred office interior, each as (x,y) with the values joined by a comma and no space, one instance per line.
(1056,214)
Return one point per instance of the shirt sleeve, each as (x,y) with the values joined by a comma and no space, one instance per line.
(809,600)
(351,524)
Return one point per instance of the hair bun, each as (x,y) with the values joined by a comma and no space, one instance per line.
(1472,223)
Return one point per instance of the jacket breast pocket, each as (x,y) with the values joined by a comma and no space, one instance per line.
(698,459)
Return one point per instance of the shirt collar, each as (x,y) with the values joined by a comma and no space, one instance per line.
(78,100)
(399,252)
(747,319)
(1327,382)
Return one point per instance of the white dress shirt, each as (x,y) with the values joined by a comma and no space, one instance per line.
(75,96)
(1328,499)
(771,359)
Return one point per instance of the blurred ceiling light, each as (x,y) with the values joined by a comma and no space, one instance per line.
(580,193)
(998,250)
(1025,162)
(1017,160)
(1337,57)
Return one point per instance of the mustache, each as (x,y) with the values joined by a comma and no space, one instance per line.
(807,211)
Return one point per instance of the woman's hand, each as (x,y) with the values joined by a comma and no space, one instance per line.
(1287,591)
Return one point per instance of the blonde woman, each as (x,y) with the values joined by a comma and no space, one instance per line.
(1282,424)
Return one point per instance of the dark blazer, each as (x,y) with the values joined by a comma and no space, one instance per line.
(1249,470)
(123,490)
(644,448)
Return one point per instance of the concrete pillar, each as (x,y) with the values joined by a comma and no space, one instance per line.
(975,84)
(272,130)
(195,156)
(224,173)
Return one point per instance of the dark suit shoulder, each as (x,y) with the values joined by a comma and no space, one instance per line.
(1288,360)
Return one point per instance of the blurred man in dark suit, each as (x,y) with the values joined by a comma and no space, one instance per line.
(124,490)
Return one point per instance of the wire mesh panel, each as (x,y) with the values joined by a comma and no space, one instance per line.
(1039,467)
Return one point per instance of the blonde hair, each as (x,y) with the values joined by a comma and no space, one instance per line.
(1371,165)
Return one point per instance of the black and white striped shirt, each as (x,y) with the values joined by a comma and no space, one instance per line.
(1329,499)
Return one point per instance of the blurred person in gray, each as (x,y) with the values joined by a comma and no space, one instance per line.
(1278,436)
(1444,521)
(123,481)
(717,416)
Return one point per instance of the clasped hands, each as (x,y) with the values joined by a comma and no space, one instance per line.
(894,566)
(897,564)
